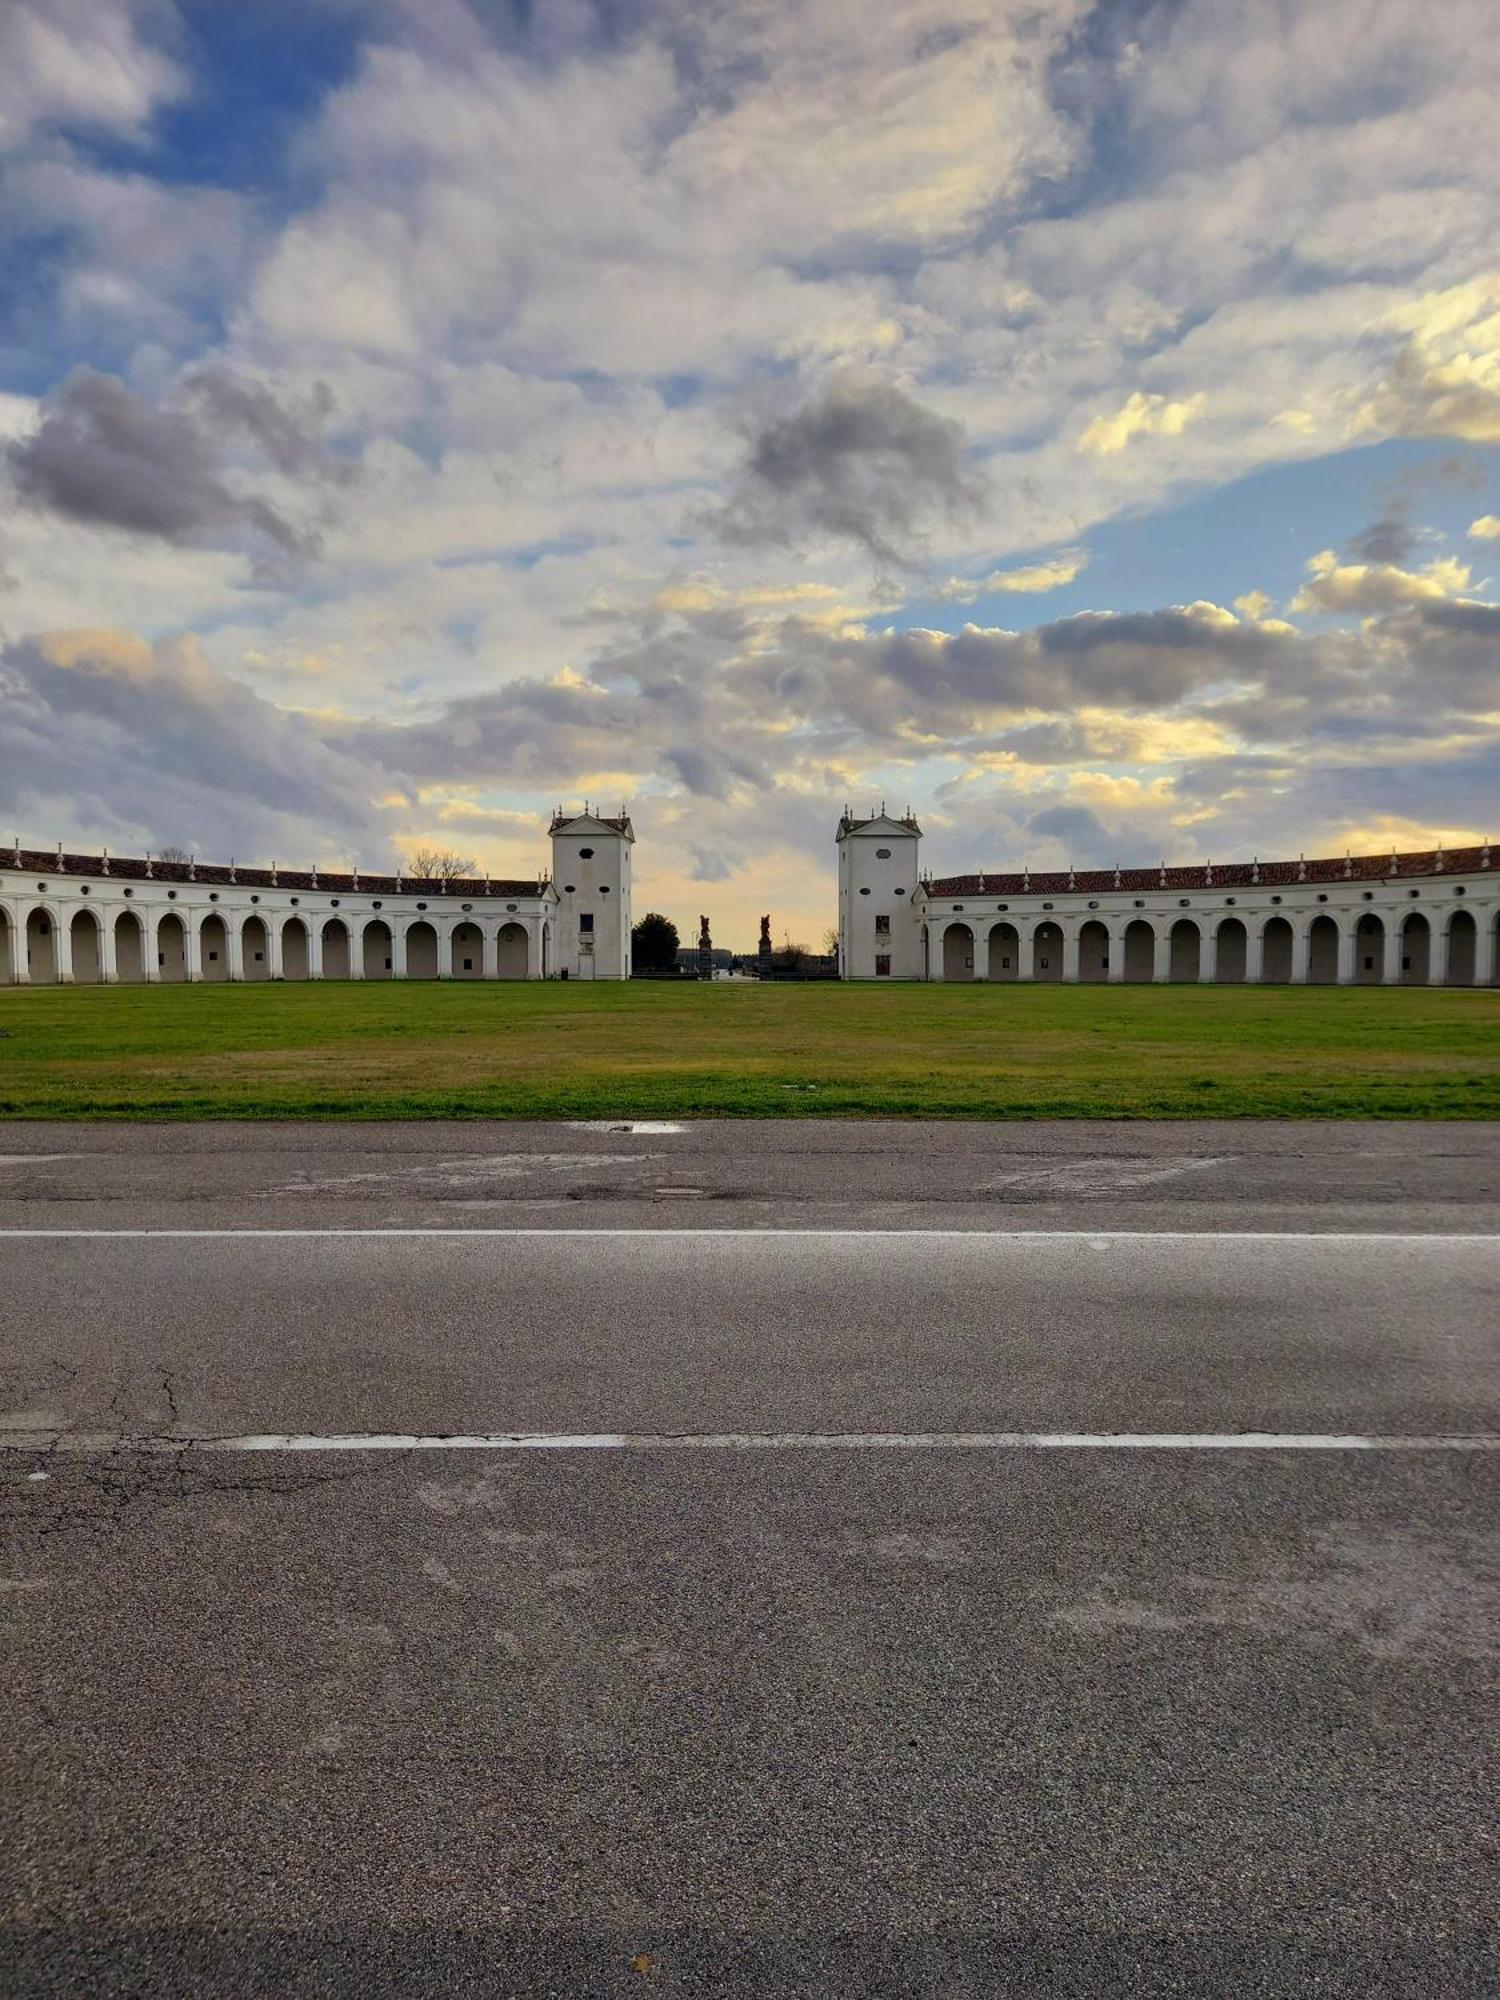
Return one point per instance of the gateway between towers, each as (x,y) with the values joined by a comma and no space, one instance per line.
(1423,919)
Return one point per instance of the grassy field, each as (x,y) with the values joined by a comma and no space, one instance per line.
(570,1051)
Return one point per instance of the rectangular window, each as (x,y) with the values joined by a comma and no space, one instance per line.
(586,921)
(1406,965)
(1044,963)
(258,956)
(1369,965)
(882,927)
(213,957)
(468,965)
(387,963)
(883,966)
(1005,965)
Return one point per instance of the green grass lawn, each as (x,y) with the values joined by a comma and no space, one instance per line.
(553,1050)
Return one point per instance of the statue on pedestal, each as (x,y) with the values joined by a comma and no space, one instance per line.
(705,950)
(763,954)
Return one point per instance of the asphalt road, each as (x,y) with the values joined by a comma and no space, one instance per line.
(733,1712)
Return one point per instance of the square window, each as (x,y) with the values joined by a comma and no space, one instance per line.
(883,966)
(213,957)
(882,927)
(258,956)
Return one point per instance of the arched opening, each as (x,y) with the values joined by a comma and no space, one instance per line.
(377,950)
(7,950)
(421,952)
(1276,952)
(1093,952)
(213,948)
(1495,951)
(1140,952)
(512,956)
(88,960)
(1369,950)
(130,956)
(1047,952)
(171,949)
(41,948)
(958,952)
(1322,952)
(1005,952)
(294,955)
(1463,948)
(468,952)
(1416,950)
(1186,951)
(255,944)
(1229,953)
(335,950)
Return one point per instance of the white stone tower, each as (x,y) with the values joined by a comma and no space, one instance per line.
(591,877)
(880,933)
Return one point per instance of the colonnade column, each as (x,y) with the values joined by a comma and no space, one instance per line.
(935,956)
(109,966)
(1348,953)
(234,937)
(1161,956)
(62,950)
(275,962)
(192,945)
(150,949)
(1301,955)
(398,950)
(1116,974)
(356,935)
(1486,951)
(314,950)
(1437,963)
(1070,956)
(444,935)
(1255,956)
(1390,967)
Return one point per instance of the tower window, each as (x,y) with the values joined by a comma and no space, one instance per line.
(882,927)
(585,854)
(883,966)
(882,854)
(586,921)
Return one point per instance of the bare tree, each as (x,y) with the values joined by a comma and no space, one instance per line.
(441,864)
(173,854)
(830,944)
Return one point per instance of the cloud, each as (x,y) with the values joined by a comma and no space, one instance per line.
(1030,578)
(1379,586)
(1255,604)
(1486,528)
(1445,381)
(1390,538)
(860,461)
(1139,416)
(104,457)
(80,63)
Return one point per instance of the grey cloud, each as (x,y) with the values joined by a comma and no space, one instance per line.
(1086,839)
(862,461)
(1389,538)
(105,457)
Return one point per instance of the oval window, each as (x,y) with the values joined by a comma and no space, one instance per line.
(585,854)
(882,854)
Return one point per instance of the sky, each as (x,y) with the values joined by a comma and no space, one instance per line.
(1075,423)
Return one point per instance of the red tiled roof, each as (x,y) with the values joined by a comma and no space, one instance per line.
(44,865)
(1218,875)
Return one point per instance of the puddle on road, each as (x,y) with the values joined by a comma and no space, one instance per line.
(460,1175)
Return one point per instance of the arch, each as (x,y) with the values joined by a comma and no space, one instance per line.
(1416,950)
(1047,951)
(255,948)
(1463,948)
(421,951)
(468,952)
(1093,952)
(1004,952)
(336,949)
(213,948)
(86,948)
(171,949)
(958,952)
(296,961)
(7,947)
(376,946)
(1369,950)
(1322,952)
(130,949)
(1230,949)
(512,952)
(1185,951)
(1276,952)
(1140,952)
(41,946)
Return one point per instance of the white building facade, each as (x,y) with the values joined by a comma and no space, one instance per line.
(76,919)
(1425,919)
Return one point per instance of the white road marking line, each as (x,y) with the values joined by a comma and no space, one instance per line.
(1103,1238)
(297,1441)
(38,1159)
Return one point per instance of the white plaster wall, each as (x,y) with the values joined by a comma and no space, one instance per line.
(591,876)
(878,878)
